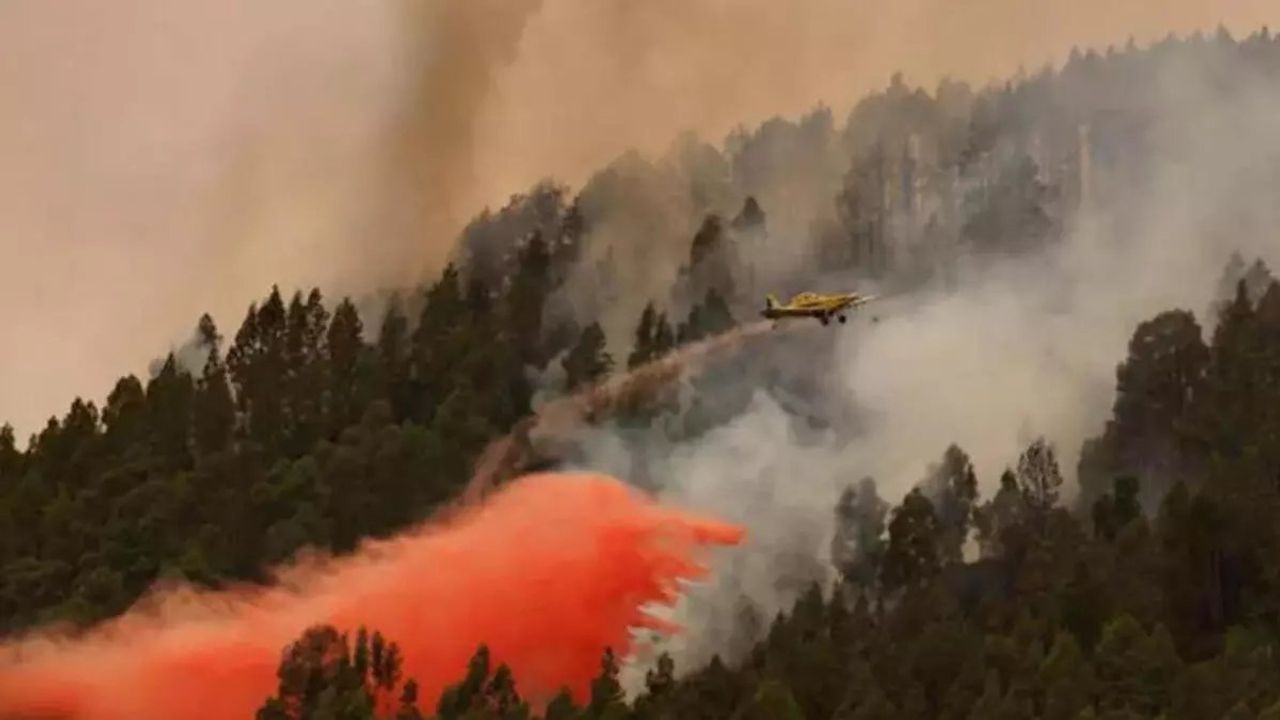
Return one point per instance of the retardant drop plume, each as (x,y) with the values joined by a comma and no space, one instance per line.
(548,572)
(506,455)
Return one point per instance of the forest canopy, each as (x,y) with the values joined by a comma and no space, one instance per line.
(1153,592)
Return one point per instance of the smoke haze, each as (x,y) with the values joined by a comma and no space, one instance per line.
(163,160)
(1016,349)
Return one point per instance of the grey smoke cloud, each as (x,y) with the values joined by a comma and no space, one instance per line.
(163,160)
(1020,348)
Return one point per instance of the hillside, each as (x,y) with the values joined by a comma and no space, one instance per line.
(1128,574)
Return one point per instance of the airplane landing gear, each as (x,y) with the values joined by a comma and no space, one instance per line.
(843,319)
(824,319)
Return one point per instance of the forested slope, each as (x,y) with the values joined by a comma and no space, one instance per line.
(1154,593)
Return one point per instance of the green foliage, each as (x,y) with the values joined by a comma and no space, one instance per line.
(302,433)
(1067,680)
(912,552)
(857,547)
(653,338)
(606,693)
(773,701)
(1115,510)
(561,707)
(1053,622)
(952,486)
(711,317)
(1011,214)
(1039,479)
(322,676)
(523,308)
(588,361)
(485,692)
(713,261)
(1150,437)
(864,214)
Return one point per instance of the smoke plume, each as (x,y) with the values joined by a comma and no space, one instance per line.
(1006,350)
(454,51)
(177,159)
(547,573)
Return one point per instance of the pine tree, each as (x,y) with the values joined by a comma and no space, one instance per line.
(1001,522)
(857,546)
(712,260)
(408,709)
(664,338)
(912,551)
(952,486)
(659,683)
(169,398)
(588,360)
(863,212)
(345,347)
(1118,508)
(1149,434)
(773,701)
(526,298)
(320,677)
(1067,680)
(1039,479)
(257,364)
(306,373)
(562,707)
(441,341)
(214,408)
(10,458)
(1010,214)
(458,700)
(394,354)
(643,350)
(709,318)
(606,692)
(1135,670)
(124,419)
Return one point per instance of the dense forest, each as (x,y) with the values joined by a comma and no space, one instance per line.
(1154,593)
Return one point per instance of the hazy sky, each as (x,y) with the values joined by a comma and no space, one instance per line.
(159,160)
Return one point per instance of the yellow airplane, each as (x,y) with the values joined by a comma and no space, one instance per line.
(814,305)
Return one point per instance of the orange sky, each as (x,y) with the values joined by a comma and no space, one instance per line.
(159,160)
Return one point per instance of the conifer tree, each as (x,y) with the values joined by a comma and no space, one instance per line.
(912,551)
(562,707)
(169,397)
(394,354)
(214,408)
(952,486)
(643,348)
(773,701)
(345,347)
(606,692)
(588,360)
(1039,478)
(124,419)
(525,300)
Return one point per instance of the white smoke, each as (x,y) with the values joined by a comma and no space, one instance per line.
(1021,348)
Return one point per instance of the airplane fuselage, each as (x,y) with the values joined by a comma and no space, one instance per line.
(820,307)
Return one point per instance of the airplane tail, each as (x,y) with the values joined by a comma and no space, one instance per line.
(770,301)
